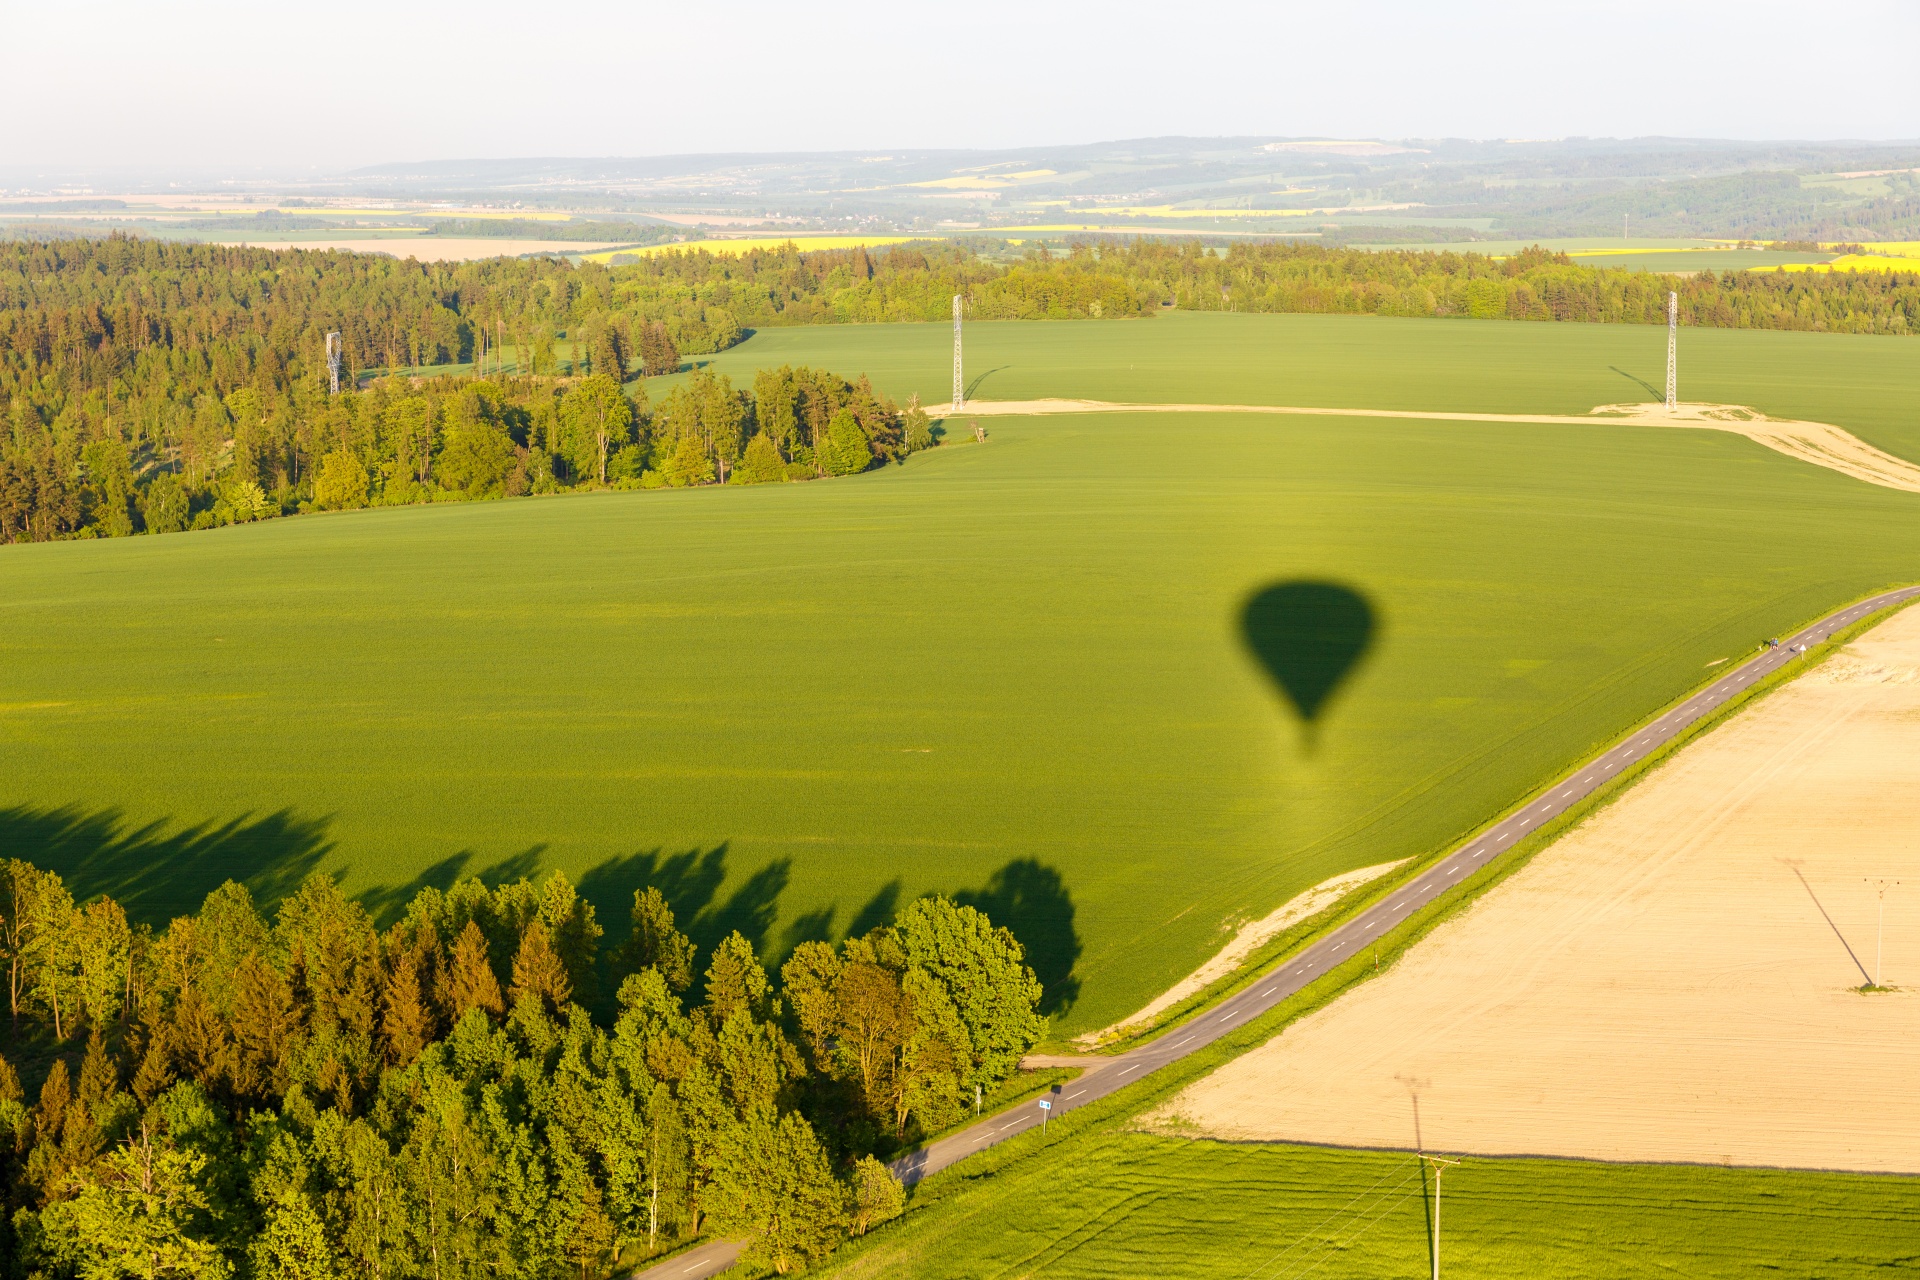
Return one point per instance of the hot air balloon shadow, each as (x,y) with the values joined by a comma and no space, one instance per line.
(1309,636)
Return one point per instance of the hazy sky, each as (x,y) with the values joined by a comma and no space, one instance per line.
(164,84)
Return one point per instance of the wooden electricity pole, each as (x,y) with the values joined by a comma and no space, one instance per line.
(1440,1165)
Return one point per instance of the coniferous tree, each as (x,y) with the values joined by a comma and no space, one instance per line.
(774,1186)
(408,1024)
(736,981)
(538,974)
(760,463)
(471,982)
(655,942)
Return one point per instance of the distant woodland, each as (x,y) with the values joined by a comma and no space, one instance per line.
(154,387)
(310,1096)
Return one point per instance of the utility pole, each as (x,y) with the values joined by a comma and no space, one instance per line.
(1880,931)
(959,387)
(1673,350)
(333,364)
(1440,1165)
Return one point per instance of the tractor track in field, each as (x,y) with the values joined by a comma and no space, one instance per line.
(1819,443)
(1107,1075)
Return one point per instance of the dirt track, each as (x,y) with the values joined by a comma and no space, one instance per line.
(1820,443)
(1662,983)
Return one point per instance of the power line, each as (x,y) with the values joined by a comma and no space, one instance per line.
(1332,1248)
(1322,1224)
(1354,1209)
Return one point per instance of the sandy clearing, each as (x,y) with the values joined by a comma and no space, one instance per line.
(1820,443)
(437,248)
(1247,939)
(1661,984)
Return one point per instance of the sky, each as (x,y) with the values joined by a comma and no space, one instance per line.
(206,85)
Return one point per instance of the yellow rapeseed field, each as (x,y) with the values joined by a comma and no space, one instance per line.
(1851,262)
(1881,255)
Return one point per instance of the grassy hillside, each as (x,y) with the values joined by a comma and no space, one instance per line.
(1865,384)
(1009,670)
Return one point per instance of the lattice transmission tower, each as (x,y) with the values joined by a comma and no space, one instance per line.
(1673,350)
(959,387)
(333,364)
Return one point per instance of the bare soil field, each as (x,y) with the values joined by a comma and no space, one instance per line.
(438,248)
(1675,980)
(1819,443)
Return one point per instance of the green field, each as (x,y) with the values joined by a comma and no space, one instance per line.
(1865,384)
(1010,670)
(1131,1204)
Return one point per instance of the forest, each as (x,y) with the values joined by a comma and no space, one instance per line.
(153,386)
(477,1089)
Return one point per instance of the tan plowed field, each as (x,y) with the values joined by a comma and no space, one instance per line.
(1674,980)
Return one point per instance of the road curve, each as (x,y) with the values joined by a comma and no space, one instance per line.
(1350,938)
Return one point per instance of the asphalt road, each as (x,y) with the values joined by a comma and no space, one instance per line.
(1333,948)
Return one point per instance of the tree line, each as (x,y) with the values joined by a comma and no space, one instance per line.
(156,386)
(312,1096)
(245,456)
(1535,284)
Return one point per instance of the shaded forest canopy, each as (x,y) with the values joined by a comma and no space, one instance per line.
(311,1096)
(154,386)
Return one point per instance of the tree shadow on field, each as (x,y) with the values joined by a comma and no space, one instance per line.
(880,910)
(1309,636)
(1031,900)
(156,872)
(690,882)
(1652,391)
(387,903)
